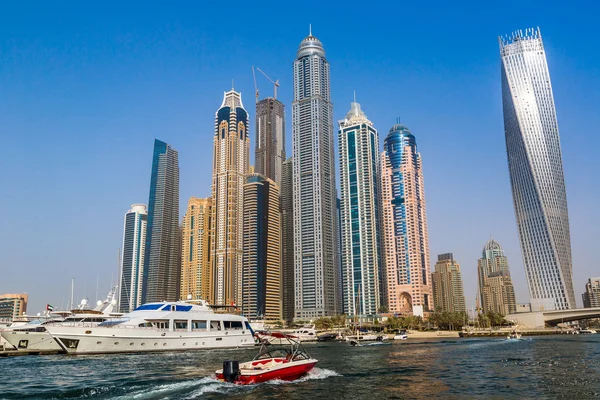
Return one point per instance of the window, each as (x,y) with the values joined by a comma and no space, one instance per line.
(215,326)
(181,325)
(148,307)
(233,325)
(199,325)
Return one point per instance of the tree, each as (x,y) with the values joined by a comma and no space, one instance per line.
(382,309)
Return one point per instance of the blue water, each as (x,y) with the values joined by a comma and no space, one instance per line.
(550,367)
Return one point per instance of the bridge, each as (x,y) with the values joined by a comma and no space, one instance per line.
(539,319)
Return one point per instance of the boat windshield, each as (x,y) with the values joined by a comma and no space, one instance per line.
(112,322)
(289,354)
(149,307)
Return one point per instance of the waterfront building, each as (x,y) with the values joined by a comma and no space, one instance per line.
(406,268)
(261,296)
(496,291)
(162,262)
(196,271)
(536,171)
(591,297)
(315,218)
(230,166)
(270,138)
(359,210)
(287,240)
(447,285)
(132,258)
(12,305)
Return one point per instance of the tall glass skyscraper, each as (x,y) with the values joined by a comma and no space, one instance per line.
(315,217)
(132,268)
(261,296)
(270,139)
(162,263)
(359,182)
(536,171)
(287,239)
(230,166)
(404,225)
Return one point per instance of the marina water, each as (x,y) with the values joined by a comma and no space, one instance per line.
(537,367)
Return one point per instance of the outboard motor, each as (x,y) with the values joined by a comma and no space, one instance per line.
(231,370)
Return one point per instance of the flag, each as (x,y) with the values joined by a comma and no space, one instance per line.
(49,307)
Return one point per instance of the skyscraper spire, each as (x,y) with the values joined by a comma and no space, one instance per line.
(309,29)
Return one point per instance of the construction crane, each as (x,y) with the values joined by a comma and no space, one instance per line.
(275,84)
(255,85)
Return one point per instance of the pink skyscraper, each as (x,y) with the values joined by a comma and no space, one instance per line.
(407,279)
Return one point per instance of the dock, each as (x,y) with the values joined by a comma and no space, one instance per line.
(19,353)
(532,332)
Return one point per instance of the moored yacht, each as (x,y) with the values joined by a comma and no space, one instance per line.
(34,336)
(164,326)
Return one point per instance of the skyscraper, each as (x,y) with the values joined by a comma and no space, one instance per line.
(496,290)
(287,240)
(261,296)
(132,256)
(315,218)
(196,271)
(591,296)
(359,208)
(404,225)
(447,285)
(536,172)
(13,305)
(230,166)
(270,138)
(162,263)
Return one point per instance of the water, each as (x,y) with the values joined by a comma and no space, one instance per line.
(565,367)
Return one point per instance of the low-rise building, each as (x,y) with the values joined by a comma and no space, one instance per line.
(12,305)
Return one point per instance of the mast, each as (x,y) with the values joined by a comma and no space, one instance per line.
(72,289)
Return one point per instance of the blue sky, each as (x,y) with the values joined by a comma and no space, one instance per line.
(85,88)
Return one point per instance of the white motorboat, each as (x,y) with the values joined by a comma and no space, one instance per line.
(401,336)
(152,327)
(306,334)
(34,336)
(587,331)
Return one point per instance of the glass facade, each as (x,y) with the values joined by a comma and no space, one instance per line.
(161,259)
(316,266)
(359,210)
(536,171)
(132,257)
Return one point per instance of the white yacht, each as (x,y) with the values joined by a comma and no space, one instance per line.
(33,336)
(164,326)
(306,334)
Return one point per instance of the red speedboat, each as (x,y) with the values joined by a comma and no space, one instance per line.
(274,361)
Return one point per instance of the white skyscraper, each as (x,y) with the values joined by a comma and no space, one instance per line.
(132,268)
(359,183)
(536,172)
(315,216)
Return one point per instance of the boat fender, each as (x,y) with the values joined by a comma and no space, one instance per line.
(231,370)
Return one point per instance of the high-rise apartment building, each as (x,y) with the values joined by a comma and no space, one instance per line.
(359,209)
(315,217)
(496,291)
(287,240)
(196,271)
(162,262)
(230,166)
(591,296)
(270,138)
(447,285)
(12,305)
(132,258)
(261,296)
(536,171)
(405,242)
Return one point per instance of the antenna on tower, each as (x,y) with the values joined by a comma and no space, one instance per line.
(255,85)
(275,83)
(309,29)
(355,96)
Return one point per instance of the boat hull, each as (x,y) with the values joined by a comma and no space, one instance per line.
(31,341)
(285,372)
(123,340)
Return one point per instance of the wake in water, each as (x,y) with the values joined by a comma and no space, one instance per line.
(192,389)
